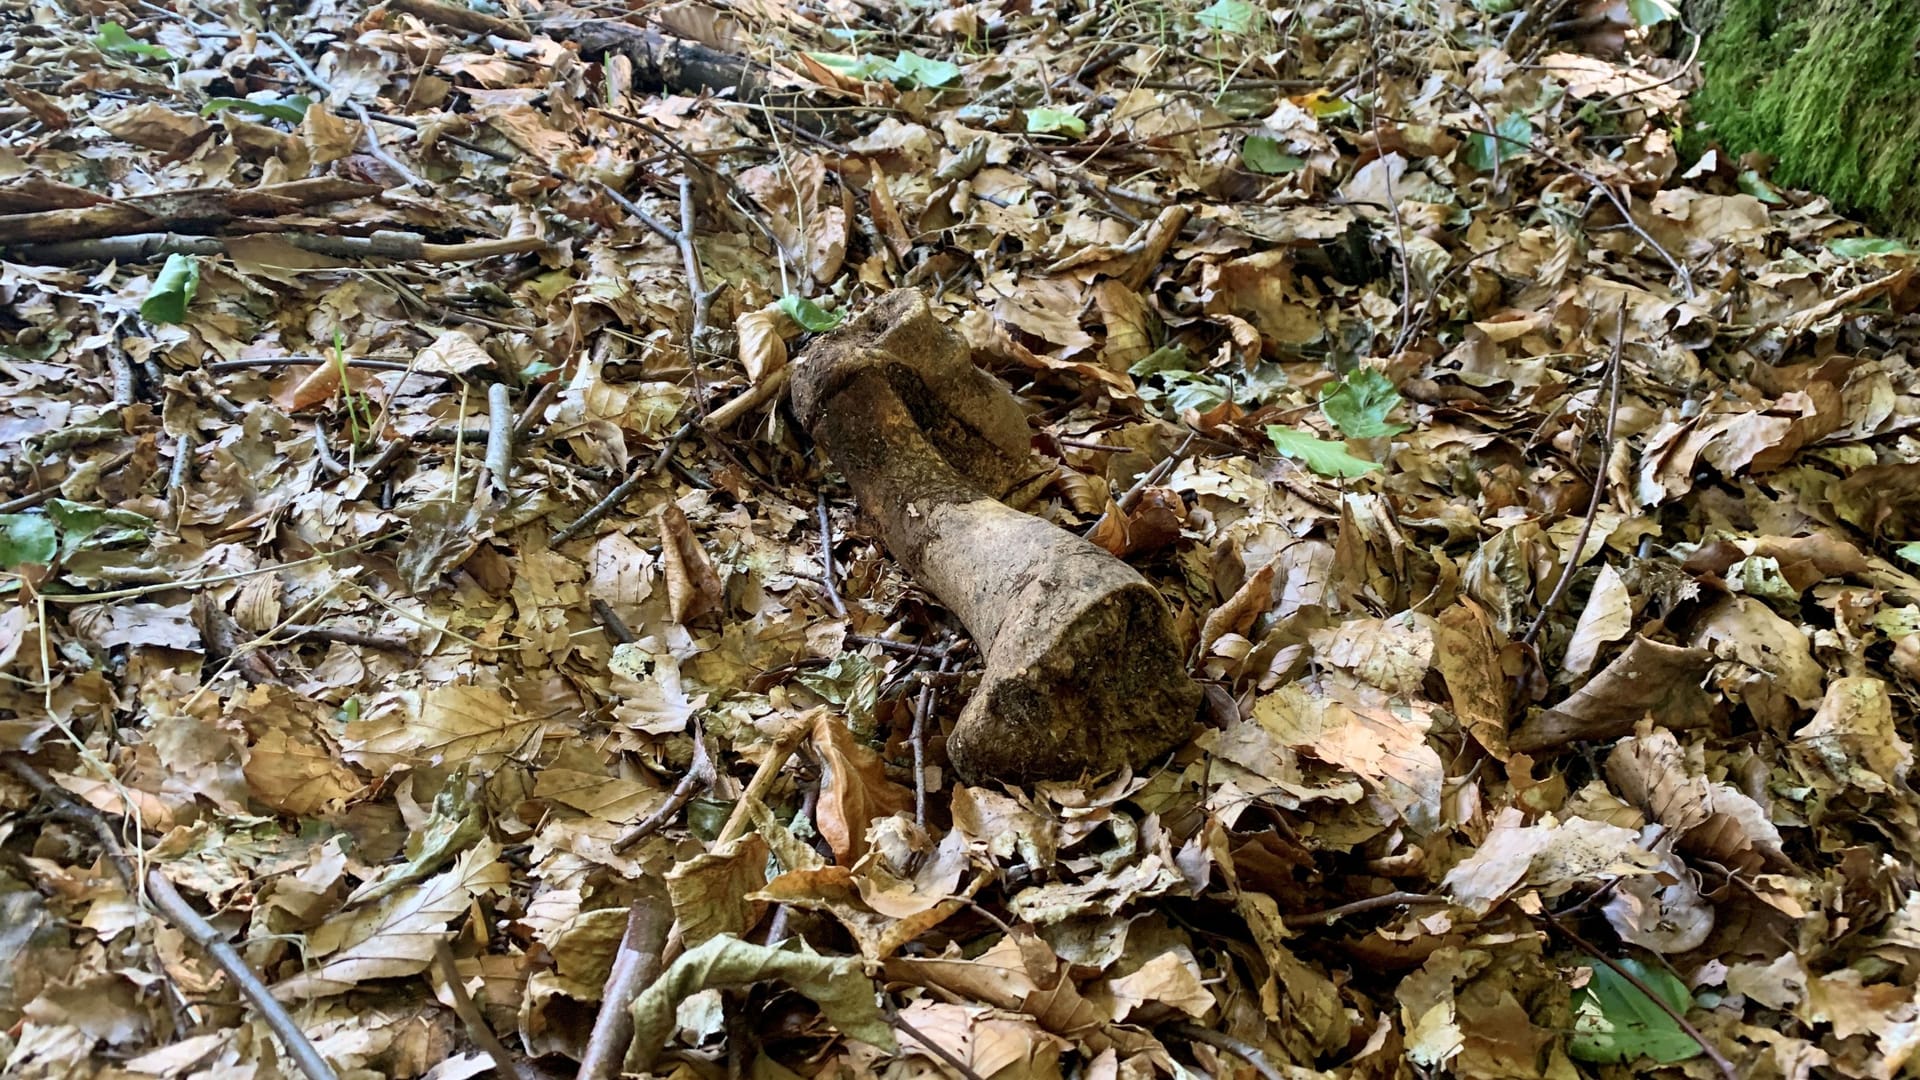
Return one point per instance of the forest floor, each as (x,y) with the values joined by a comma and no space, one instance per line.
(1534,496)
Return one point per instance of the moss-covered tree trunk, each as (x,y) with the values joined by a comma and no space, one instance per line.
(1831,88)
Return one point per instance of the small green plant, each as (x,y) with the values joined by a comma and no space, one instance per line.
(360,425)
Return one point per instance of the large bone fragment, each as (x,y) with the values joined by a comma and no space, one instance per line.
(1083,671)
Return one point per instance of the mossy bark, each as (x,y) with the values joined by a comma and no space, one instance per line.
(1830,88)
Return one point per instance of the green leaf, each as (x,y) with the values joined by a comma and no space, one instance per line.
(1614,1021)
(113,38)
(1358,404)
(1055,122)
(1652,12)
(1263,155)
(1229,17)
(1899,622)
(291,107)
(809,315)
(836,984)
(1483,150)
(1321,455)
(912,69)
(26,538)
(172,290)
(1860,247)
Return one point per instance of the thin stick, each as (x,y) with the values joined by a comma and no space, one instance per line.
(342,635)
(616,626)
(1239,1048)
(665,231)
(700,776)
(179,914)
(1720,1060)
(763,778)
(932,1047)
(315,361)
(499,460)
(530,415)
(1147,479)
(932,652)
(702,296)
(1360,907)
(1599,482)
(177,476)
(324,453)
(922,709)
(635,966)
(381,153)
(752,398)
(216,579)
(470,1015)
(826,557)
(625,488)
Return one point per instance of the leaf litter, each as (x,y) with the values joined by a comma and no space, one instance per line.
(409,561)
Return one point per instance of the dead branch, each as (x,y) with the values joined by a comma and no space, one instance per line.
(470,1015)
(158,891)
(196,211)
(461,18)
(382,244)
(635,966)
(1084,672)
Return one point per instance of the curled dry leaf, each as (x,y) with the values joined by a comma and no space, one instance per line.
(693,587)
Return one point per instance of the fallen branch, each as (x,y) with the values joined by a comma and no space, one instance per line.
(1084,671)
(460,18)
(171,906)
(499,459)
(635,967)
(625,488)
(699,777)
(470,1015)
(201,210)
(383,244)
(1241,1049)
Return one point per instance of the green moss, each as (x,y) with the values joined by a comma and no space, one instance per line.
(1831,88)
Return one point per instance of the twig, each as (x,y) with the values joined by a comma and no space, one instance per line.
(666,232)
(1720,1060)
(763,778)
(342,635)
(702,297)
(752,398)
(389,454)
(316,361)
(616,626)
(179,914)
(826,557)
(1239,1048)
(499,460)
(383,156)
(1360,907)
(1599,482)
(530,415)
(1146,480)
(932,652)
(324,454)
(700,776)
(922,709)
(635,966)
(469,1014)
(177,476)
(460,18)
(966,1071)
(625,488)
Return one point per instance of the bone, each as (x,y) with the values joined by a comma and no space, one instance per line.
(1084,673)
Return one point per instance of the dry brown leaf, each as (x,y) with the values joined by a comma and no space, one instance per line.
(854,789)
(693,587)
